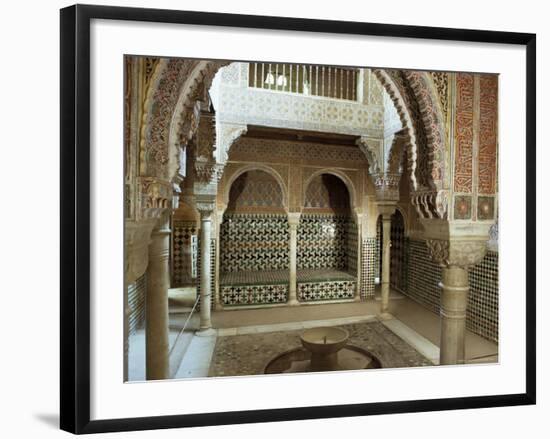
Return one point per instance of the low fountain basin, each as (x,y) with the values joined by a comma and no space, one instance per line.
(324,344)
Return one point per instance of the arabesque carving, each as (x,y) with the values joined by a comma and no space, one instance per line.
(461,253)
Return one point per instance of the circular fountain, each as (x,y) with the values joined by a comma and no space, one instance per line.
(323,349)
(324,344)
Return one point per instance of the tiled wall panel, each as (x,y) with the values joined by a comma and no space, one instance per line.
(351,236)
(482,312)
(368,267)
(254,242)
(319,291)
(423,277)
(322,241)
(232,295)
(182,231)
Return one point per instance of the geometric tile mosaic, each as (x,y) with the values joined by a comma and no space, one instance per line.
(254,242)
(398,253)
(334,290)
(322,241)
(253,294)
(424,276)
(369,257)
(182,231)
(351,236)
(482,311)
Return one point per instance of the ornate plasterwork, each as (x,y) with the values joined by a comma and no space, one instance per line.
(413,95)
(247,149)
(441,83)
(155,195)
(488,130)
(234,170)
(236,102)
(371,148)
(399,100)
(166,82)
(464,133)
(385,167)
(205,204)
(226,135)
(171,112)
(434,123)
(461,253)
(431,204)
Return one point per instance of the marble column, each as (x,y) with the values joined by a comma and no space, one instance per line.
(205,210)
(158,282)
(386,209)
(455,256)
(218,305)
(386,246)
(454,300)
(293,221)
(359,260)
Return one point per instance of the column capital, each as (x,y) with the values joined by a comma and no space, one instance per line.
(462,253)
(205,209)
(293,219)
(386,186)
(386,208)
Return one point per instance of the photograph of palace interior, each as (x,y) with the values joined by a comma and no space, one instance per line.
(286,218)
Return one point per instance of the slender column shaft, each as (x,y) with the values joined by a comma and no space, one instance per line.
(206,290)
(454,300)
(386,244)
(292,296)
(156,332)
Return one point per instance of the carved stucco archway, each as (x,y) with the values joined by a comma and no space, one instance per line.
(170,118)
(426,167)
(230,179)
(350,186)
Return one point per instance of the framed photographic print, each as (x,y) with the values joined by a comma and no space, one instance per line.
(286,218)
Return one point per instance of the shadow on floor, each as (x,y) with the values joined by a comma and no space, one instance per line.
(49,419)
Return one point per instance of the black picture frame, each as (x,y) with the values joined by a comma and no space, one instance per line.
(75,217)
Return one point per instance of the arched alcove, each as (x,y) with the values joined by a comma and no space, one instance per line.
(326,241)
(254,237)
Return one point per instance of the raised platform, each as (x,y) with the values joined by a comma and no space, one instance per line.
(271,287)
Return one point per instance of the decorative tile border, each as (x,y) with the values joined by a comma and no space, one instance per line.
(319,291)
(368,267)
(253,294)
